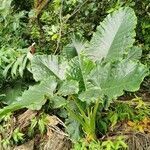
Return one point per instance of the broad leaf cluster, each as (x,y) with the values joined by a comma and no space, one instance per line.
(92,73)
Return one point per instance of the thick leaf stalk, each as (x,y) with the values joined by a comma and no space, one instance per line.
(87,119)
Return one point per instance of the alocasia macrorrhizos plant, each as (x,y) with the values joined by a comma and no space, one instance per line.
(94,74)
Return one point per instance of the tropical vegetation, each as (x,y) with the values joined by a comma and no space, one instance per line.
(77,70)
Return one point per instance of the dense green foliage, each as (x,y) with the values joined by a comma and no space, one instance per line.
(80,66)
(12,44)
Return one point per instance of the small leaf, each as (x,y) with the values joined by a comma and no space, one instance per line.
(140,128)
(55,36)
(23,65)
(5,72)
(114,119)
(41,126)
(16,66)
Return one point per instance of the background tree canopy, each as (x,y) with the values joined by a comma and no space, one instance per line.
(77,16)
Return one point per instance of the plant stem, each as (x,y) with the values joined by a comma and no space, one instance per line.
(92,122)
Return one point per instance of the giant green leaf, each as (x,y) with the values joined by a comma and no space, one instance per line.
(13,92)
(114,35)
(113,79)
(34,97)
(43,66)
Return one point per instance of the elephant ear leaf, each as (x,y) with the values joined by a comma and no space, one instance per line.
(112,80)
(113,36)
(34,97)
(43,66)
